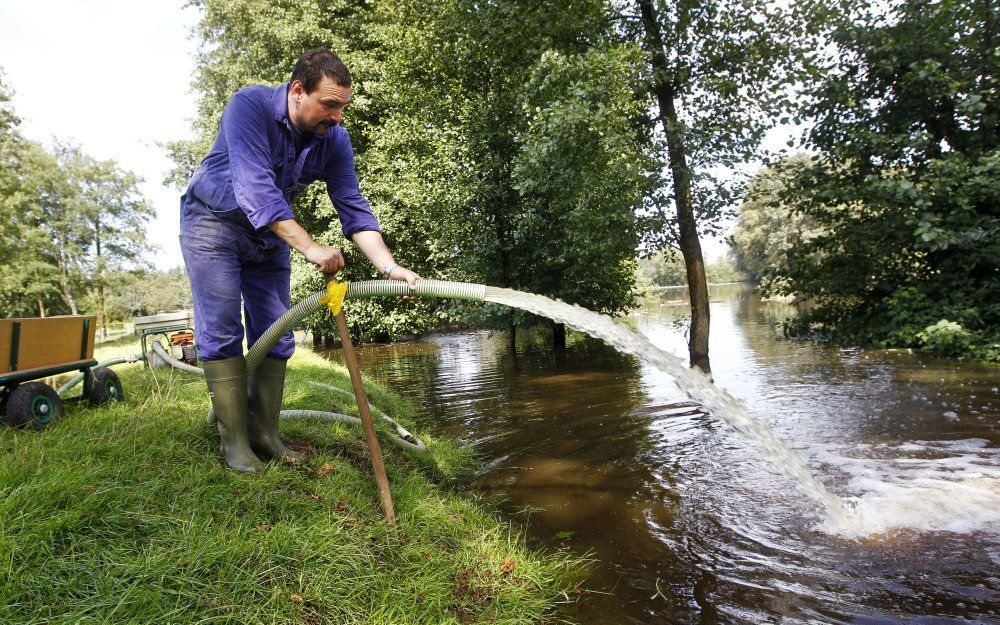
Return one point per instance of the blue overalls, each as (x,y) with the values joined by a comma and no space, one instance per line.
(247,181)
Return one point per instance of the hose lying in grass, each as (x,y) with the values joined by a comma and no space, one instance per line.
(76,379)
(401,438)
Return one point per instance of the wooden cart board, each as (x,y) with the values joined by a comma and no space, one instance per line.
(41,343)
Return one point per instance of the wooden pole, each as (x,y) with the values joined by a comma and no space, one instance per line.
(378,466)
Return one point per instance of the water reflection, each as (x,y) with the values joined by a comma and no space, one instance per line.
(687,522)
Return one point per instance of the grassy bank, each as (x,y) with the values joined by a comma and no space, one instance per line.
(124,514)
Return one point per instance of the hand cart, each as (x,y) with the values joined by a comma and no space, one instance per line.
(41,347)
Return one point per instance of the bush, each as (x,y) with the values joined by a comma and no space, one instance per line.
(948,338)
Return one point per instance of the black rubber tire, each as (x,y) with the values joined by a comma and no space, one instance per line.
(34,405)
(104,387)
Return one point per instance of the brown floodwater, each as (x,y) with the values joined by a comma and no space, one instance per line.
(685,520)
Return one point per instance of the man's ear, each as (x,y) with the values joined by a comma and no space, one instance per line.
(297,87)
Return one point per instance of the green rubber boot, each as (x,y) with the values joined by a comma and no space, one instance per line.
(266,385)
(227,386)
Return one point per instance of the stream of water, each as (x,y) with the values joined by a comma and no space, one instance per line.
(693,383)
(687,519)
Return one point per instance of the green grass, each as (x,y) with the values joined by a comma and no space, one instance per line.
(125,514)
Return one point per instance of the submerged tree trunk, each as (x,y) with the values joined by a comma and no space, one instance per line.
(558,337)
(687,227)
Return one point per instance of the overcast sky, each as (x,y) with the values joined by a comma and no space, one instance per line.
(111,75)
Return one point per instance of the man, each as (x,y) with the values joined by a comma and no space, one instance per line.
(236,228)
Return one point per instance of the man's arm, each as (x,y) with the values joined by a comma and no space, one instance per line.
(330,260)
(371,245)
(327,258)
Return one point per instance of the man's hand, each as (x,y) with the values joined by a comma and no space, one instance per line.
(328,259)
(402,273)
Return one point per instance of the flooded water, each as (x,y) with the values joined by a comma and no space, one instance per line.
(687,521)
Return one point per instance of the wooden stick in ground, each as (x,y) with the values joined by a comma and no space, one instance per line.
(378,466)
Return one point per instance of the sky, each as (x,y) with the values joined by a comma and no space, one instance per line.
(112,76)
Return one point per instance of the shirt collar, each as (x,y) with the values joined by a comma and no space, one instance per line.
(280,102)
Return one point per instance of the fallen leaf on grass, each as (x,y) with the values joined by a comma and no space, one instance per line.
(297,599)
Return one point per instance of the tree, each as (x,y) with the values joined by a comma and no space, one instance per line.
(664,268)
(719,77)
(29,281)
(768,232)
(138,292)
(52,228)
(112,215)
(528,162)
(581,182)
(10,151)
(905,181)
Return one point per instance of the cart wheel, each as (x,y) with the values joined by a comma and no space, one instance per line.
(33,405)
(104,387)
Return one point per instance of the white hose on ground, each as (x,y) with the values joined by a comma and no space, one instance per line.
(412,441)
(76,379)
(398,441)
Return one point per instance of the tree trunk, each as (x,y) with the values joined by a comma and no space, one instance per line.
(504,261)
(687,227)
(558,337)
(67,294)
(102,321)
(41,308)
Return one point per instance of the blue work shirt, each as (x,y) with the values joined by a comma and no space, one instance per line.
(252,174)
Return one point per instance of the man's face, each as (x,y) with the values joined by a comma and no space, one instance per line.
(320,110)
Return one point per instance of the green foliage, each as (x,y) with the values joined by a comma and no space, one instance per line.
(727,70)
(723,271)
(665,268)
(906,184)
(768,231)
(65,220)
(581,171)
(528,162)
(140,292)
(946,337)
(70,218)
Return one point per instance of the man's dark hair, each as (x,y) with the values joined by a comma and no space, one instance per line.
(314,64)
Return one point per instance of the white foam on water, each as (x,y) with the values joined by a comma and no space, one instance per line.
(927,486)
